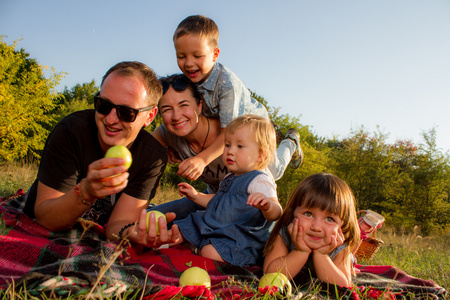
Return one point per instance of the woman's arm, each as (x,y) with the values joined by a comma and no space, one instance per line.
(192,167)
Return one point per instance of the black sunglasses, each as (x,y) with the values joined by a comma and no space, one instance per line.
(179,83)
(124,113)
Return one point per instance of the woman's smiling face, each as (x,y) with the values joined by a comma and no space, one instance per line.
(180,111)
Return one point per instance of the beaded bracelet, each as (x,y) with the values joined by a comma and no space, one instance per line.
(125,227)
(77,189)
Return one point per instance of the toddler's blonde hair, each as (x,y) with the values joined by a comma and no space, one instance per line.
(263,132)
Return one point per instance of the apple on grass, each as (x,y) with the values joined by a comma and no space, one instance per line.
(276,279)
(195,276)
(158,214)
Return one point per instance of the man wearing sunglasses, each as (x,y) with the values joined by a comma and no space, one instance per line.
(74,180)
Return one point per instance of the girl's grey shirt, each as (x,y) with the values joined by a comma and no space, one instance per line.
(212,174)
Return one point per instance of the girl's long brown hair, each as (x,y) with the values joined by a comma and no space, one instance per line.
(327,192)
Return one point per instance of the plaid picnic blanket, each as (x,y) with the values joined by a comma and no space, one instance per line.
(81,261)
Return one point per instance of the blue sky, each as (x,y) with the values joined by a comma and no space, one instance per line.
(338,65)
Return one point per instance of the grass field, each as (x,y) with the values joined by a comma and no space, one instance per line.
(420,256)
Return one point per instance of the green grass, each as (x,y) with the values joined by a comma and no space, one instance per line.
(14,176)
(422,257)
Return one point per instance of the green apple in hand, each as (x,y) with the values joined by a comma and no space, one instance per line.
(157,215)
(122,152)
(195,276)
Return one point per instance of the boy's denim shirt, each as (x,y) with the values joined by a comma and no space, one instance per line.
(226,97)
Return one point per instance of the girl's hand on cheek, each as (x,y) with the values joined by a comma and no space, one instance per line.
(332,242)
(297,233)
(340,238)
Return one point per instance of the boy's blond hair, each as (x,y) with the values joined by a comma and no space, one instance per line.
(263,132)
(199,25)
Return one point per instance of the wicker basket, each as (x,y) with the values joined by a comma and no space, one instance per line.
(369,246)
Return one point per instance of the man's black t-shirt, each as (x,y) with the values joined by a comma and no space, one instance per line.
(73,145)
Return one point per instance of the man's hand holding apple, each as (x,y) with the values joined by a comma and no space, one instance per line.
(156,233)
(106,176)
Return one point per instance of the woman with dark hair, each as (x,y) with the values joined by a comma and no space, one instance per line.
(186,133)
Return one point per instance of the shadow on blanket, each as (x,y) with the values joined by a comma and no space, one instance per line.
(70,262)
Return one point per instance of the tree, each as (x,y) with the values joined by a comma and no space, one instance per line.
(26,103)
(79,97)
(364,162)
(409,185)
(429,205)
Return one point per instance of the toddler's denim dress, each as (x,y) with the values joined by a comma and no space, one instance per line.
(236,230)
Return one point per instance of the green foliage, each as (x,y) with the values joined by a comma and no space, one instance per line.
(364,162)
(170,178)
(429,202)
(79,97)
(408,184)
(81,92)
(26,103)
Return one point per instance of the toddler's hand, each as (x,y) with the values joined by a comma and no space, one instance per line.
(187,190)
(296,232)
(259,201)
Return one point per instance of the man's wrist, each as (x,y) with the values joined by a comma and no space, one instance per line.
(80,191)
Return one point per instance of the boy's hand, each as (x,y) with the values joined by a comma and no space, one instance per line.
(297,233)
(259,201)
(191,168)
(187,190)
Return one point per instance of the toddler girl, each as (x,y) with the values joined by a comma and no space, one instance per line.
(316,233)
(235,225)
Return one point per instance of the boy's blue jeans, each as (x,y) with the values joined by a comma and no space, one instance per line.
(282,157)
(181,207)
